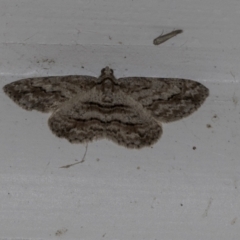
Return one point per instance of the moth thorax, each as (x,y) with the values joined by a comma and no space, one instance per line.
(108,90)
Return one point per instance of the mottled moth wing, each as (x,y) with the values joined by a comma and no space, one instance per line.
(168,99)
(46,94)
(112,115)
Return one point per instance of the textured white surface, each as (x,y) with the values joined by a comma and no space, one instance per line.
(169,191)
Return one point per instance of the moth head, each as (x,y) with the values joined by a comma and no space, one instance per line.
(107,72)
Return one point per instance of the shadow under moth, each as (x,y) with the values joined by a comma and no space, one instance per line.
(128,111)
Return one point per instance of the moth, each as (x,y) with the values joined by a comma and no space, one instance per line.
(129,111)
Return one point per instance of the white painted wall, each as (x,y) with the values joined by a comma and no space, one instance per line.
(169,191)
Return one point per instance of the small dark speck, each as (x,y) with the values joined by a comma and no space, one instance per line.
(61,231)
(82,67)
(138,168)
(209,125)
(214,117)
(234,221)
(194,148)
(125,57)
(97,159)
(181,204)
